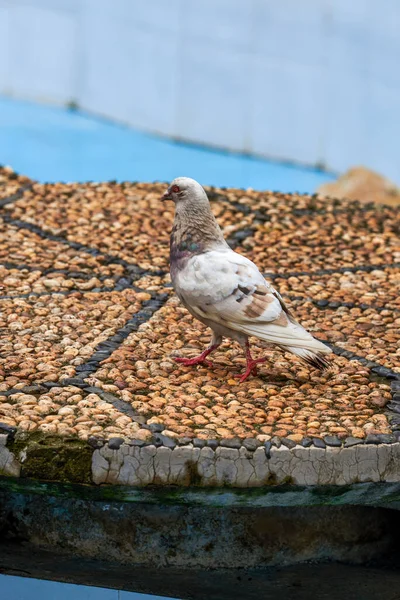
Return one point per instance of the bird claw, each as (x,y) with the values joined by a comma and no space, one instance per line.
(197,360)
(251,369)
(244,376)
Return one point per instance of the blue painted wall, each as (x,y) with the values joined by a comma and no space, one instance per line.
(53,144)
(315,81)
(21,588)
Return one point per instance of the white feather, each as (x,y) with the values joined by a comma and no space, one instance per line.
(210,285)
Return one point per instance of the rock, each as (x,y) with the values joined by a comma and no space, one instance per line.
(8,429)
(288,443)
(379,401)
(156,427)
(386,438)
(362,184)
(144,435)
(51,283)
(372,439)
(295,437)
(165,440)
(139,443)
(332,440)
(184,441)
(268,446)
(251,444)
(213,444)
(231,443)
(307,442)
(95,442)
(318,443)
(199,443)
(100,468)
(115,443)
(352,441)
(8,463)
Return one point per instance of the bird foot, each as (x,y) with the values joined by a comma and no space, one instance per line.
(251,369)
(197,360)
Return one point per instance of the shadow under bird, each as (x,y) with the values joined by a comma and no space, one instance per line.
(225,290)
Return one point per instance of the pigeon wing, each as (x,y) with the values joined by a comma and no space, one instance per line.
(227,288)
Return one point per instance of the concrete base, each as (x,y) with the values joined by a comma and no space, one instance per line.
(173,534)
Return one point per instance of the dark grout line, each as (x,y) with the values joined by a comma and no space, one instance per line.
(106,348)
(119,279)
(362,268)
(17,195)
(50,270)
(108,258)
(20,267)
(333,304)
(65,292)
(376,368)
(102,351)
(41,388)
(355,205)
(119,287)
(392,408)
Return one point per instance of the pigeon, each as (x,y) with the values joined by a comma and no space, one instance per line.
(225,290)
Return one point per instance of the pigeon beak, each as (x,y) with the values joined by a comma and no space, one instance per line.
(166,196)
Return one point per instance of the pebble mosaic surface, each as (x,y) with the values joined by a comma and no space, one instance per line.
(89,324)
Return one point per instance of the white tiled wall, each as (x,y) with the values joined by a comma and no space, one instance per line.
(316,81)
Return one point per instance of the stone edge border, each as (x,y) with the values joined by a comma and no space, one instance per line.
(243,468)
(140,465)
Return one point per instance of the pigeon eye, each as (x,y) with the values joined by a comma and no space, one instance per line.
(175,189)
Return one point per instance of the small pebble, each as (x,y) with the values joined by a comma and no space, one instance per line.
(115,443)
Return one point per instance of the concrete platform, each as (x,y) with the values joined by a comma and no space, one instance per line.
(89,328)
(99,426)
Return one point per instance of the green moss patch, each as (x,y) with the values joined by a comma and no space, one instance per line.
(52,458)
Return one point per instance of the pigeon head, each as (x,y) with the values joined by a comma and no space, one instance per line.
(185,190)
(195,229)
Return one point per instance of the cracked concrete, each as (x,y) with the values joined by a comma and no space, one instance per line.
(229,467)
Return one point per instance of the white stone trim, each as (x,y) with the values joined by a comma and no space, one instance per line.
(8,463)
(186,465)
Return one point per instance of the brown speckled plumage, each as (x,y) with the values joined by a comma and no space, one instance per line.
(225,290)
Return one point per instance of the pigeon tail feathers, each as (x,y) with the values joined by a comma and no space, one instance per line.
(294,339)
(315,358)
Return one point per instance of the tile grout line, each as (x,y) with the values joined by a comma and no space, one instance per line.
(214,196)
(334,304)
(119,287)
(376,368)
(108,258)
(104,350)
(362,268)
(17,195)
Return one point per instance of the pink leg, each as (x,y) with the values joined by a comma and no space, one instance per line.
(188,362)
(251,365)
